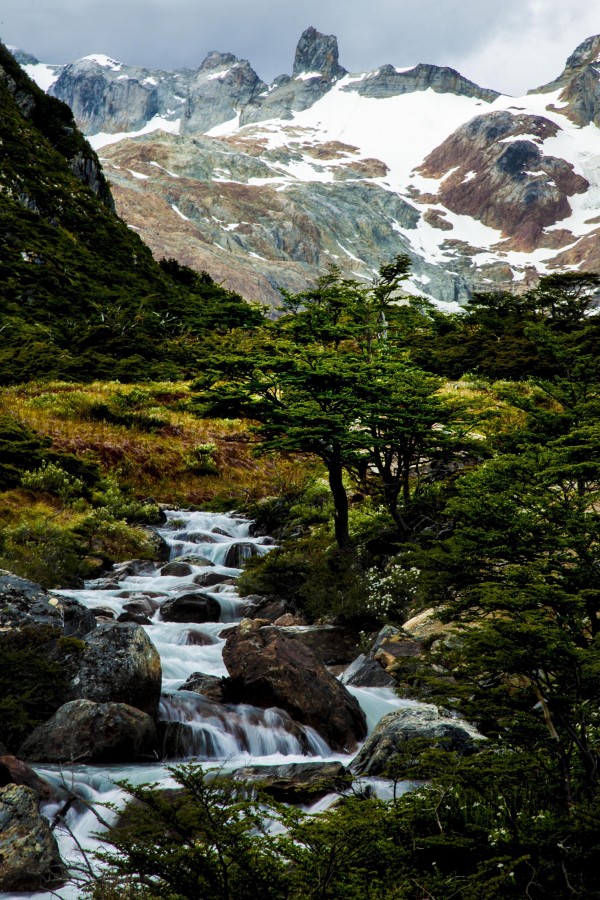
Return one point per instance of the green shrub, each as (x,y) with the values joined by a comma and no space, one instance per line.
(201,460)
(52,479)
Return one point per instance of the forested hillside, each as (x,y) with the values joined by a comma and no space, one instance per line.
(82,296)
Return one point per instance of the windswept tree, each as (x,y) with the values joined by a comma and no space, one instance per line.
(330,379)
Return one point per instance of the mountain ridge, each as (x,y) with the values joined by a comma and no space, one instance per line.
(337,145)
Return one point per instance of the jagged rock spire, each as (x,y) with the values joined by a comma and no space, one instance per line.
(317,52)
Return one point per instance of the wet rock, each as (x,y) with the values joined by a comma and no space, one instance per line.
(195,637)
(137,618)
(210,579)
(195,537)
(104,612)
(144,606)
(119,665)
(132,567)
(194,607)
(84,731)
(77,619)
(15,771)
(160,549)
(177,568)
(289,619)
(331,644)
(238,553)
(24,603)
(268,669)
(29,857)
(208,685)
(194,560)
(297,782)
(393,730)
(103,584)
(221,531)
(366,672)
(258,606)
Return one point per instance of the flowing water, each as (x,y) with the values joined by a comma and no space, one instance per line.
(224,736)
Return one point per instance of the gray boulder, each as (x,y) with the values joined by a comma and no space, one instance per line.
(24,603)
(84,731)
(119,665)
(404,724)
(177,568)
(210,579)
(366,672)
(29,857)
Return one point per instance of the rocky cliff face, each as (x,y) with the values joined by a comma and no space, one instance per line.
(264,185)
(579,84)
(388,81)
(55,121)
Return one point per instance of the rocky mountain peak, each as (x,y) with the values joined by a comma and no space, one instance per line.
(215,61)
(579,84)
(317,52)
(586,54)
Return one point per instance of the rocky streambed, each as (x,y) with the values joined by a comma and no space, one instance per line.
(175,666)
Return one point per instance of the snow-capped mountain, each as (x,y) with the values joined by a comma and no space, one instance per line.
(263,185)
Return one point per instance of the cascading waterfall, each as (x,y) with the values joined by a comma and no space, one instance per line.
(214,546)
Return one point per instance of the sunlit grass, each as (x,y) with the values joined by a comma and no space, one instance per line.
(156,452)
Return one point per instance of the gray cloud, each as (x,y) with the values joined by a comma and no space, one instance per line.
(509,46)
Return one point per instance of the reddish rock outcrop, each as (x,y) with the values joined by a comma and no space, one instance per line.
(269,669)
(494,169)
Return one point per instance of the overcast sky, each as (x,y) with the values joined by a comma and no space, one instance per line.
(511,45)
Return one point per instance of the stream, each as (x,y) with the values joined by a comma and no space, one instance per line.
(216,735)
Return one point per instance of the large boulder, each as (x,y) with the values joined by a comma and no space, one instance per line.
(77,619)
(119,664)
(366,672)
(84,731)
(297,782)
(332,644)
(259,606)
(177,568)
(210,579)
(268,669)
(238,553)
(24,604)
(29,857)
(418,721)
(195,607)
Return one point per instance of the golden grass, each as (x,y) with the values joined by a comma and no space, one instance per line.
(157,463)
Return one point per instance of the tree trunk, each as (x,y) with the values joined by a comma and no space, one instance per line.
(340,501)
